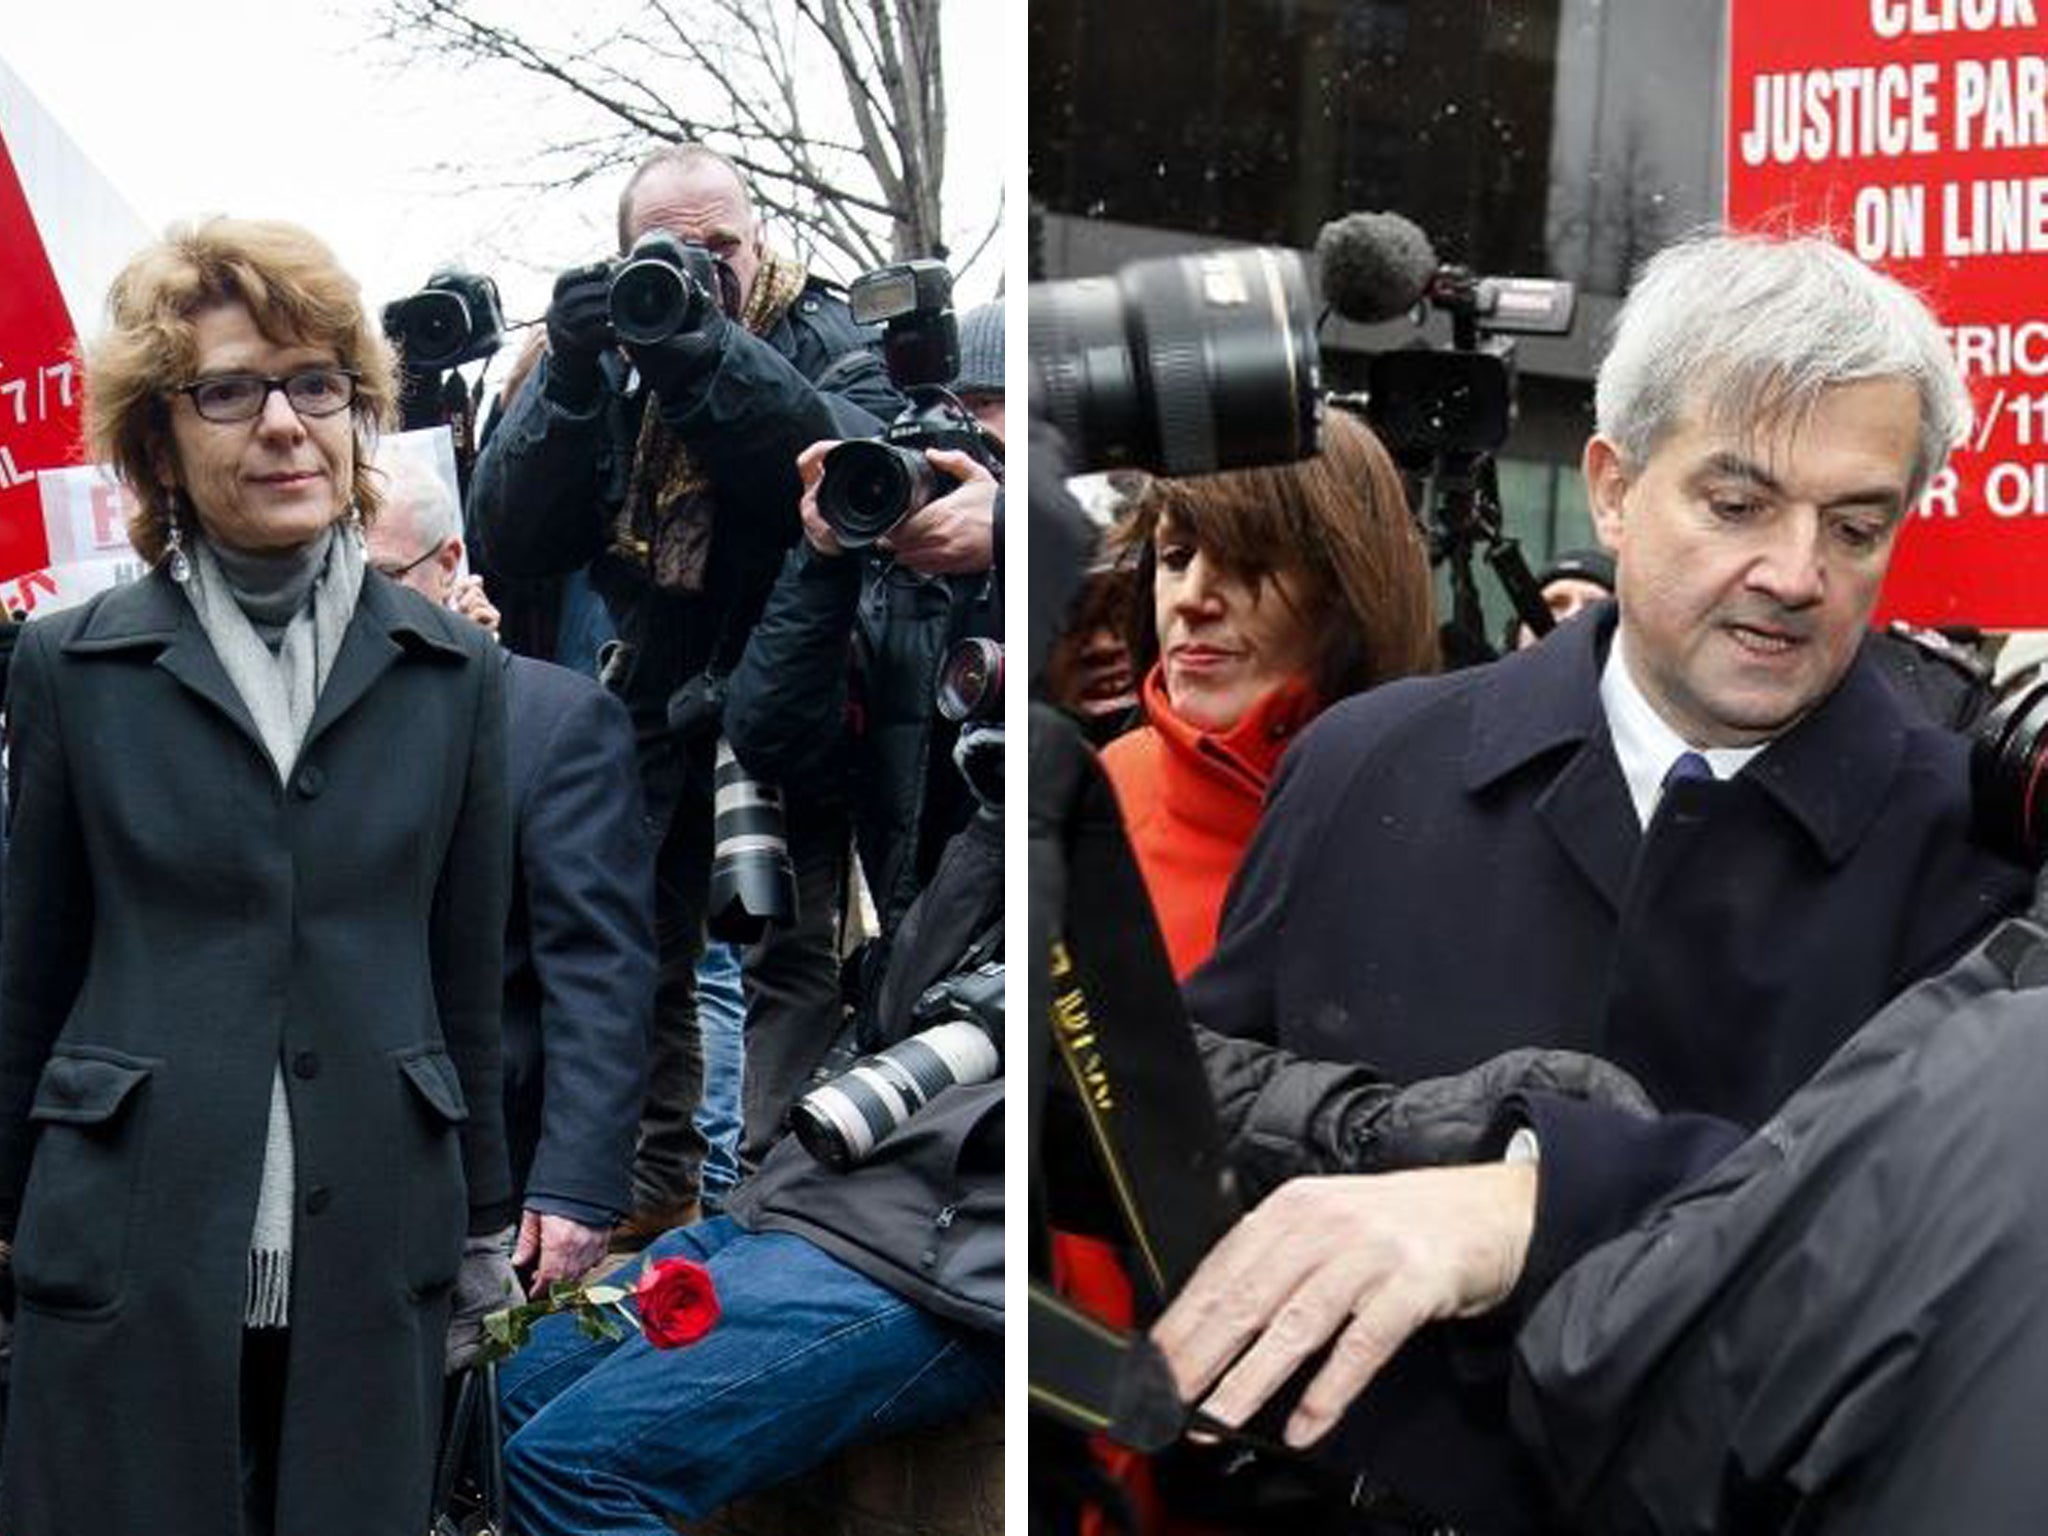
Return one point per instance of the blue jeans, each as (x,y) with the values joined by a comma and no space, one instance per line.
(609,1438)
(721,1017)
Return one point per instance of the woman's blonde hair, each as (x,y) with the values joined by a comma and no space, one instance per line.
(296,293)
(1338,524)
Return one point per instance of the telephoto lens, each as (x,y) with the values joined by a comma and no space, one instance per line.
(753,881)
(840,1123)
(1181,364)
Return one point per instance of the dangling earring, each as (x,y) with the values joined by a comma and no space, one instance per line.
(174,549)
(355,523)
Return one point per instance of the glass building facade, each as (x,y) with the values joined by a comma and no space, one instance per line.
(1557,138)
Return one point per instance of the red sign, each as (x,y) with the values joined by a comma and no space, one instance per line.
(1915,132)
(40,391)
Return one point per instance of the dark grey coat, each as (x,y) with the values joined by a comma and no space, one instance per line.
(179,921)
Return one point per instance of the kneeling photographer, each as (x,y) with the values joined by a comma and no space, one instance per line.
(897,569)
(655,443)
(860,1293)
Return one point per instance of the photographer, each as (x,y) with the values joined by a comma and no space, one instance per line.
(668,468)
(852,1304)
(799,716)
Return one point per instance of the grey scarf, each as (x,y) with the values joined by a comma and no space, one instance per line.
(276,624)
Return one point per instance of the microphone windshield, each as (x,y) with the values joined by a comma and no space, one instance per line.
(1374,266)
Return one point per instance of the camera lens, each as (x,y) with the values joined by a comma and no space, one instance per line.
(1181,364)
(870,487)
(650,301)
(840,1122)
(971,681)
(2009,775)
(753,879)
(432,329)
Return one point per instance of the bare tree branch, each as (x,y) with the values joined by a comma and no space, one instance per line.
(861,177)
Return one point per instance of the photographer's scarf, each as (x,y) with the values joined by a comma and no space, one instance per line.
(667,516)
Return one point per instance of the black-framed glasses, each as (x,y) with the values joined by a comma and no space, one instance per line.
(232,397)
(400,572)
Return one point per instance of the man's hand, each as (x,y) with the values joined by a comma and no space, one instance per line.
(579,322)
(566,1250)
(466,597)
(956,534)
(1365,1260)
(810,467)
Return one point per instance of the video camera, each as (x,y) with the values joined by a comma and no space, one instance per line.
(665,286)
(1180,364)
(871,486)
(1444,412)
(457,318)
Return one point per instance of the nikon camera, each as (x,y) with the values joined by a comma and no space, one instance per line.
(870,487)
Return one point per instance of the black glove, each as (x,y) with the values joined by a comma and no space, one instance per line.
(485,1283)
(1443,1120)
(579,322)
(676,367)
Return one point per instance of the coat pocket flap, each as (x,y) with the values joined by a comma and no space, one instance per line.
(433,1074)
(83,1090)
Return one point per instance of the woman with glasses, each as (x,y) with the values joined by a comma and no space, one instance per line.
(250,1132)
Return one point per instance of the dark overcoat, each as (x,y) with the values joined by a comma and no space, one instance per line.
(180,923)
(579,951)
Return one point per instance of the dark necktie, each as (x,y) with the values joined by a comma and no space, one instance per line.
(1688,765)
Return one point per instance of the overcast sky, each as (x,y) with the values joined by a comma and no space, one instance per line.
(287,109)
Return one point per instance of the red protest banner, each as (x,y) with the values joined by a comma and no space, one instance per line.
(40,393)
(1915,132)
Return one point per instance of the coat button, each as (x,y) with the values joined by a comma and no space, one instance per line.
(311,780)
(317,1198)
(306,1064)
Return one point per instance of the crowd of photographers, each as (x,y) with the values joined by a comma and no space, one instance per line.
(791,522)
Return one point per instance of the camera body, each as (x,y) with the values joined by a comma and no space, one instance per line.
(664,287)
(456,318)
(871,486)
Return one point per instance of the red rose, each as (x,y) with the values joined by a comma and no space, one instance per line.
(677,1303)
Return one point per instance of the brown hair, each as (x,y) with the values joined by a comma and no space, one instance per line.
(1338,524)
(298,296)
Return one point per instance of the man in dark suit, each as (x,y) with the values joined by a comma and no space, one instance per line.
(579,943)
(1697,836)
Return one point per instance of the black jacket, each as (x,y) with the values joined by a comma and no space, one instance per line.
(579,949)
(551,480)
(923,1216)
(835,697)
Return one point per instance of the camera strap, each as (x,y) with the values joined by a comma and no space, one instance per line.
(1117,1026)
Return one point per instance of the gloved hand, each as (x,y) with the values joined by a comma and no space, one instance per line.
(484,1284)
(579,322)
(1441,1120)
(678,366)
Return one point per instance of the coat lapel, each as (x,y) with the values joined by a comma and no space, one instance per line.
(379,633)
(1544,703)
(153,614)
